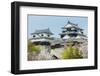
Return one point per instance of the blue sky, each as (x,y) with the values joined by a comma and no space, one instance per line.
(54,23)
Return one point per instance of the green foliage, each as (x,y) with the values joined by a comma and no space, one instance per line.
(71,53)
(33,48)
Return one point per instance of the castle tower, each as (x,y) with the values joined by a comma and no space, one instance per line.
(72,32)
(41,36)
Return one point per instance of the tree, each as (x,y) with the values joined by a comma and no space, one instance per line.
(33,48)
(33,51)
(71,53)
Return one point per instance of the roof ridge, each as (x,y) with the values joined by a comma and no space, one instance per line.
(71,23)
(47,30)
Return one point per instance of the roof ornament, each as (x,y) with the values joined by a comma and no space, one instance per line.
(71,23)
(68,22)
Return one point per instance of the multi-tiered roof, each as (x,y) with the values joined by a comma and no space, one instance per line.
(42,36)
(46,31)
(72,31)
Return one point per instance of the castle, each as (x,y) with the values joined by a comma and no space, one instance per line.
(70,33)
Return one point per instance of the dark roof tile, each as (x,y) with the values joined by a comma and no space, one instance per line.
(43,31)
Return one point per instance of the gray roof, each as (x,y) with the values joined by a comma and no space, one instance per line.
(43,31)
(73,25)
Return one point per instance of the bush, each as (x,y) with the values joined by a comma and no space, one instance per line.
(33,48)
(71,53)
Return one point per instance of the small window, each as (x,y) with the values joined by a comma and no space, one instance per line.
(63,31)
(48,35)
(81,32)
(34,36)
(41,34)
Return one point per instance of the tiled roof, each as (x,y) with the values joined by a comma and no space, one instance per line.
(42,31)
(70,25)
